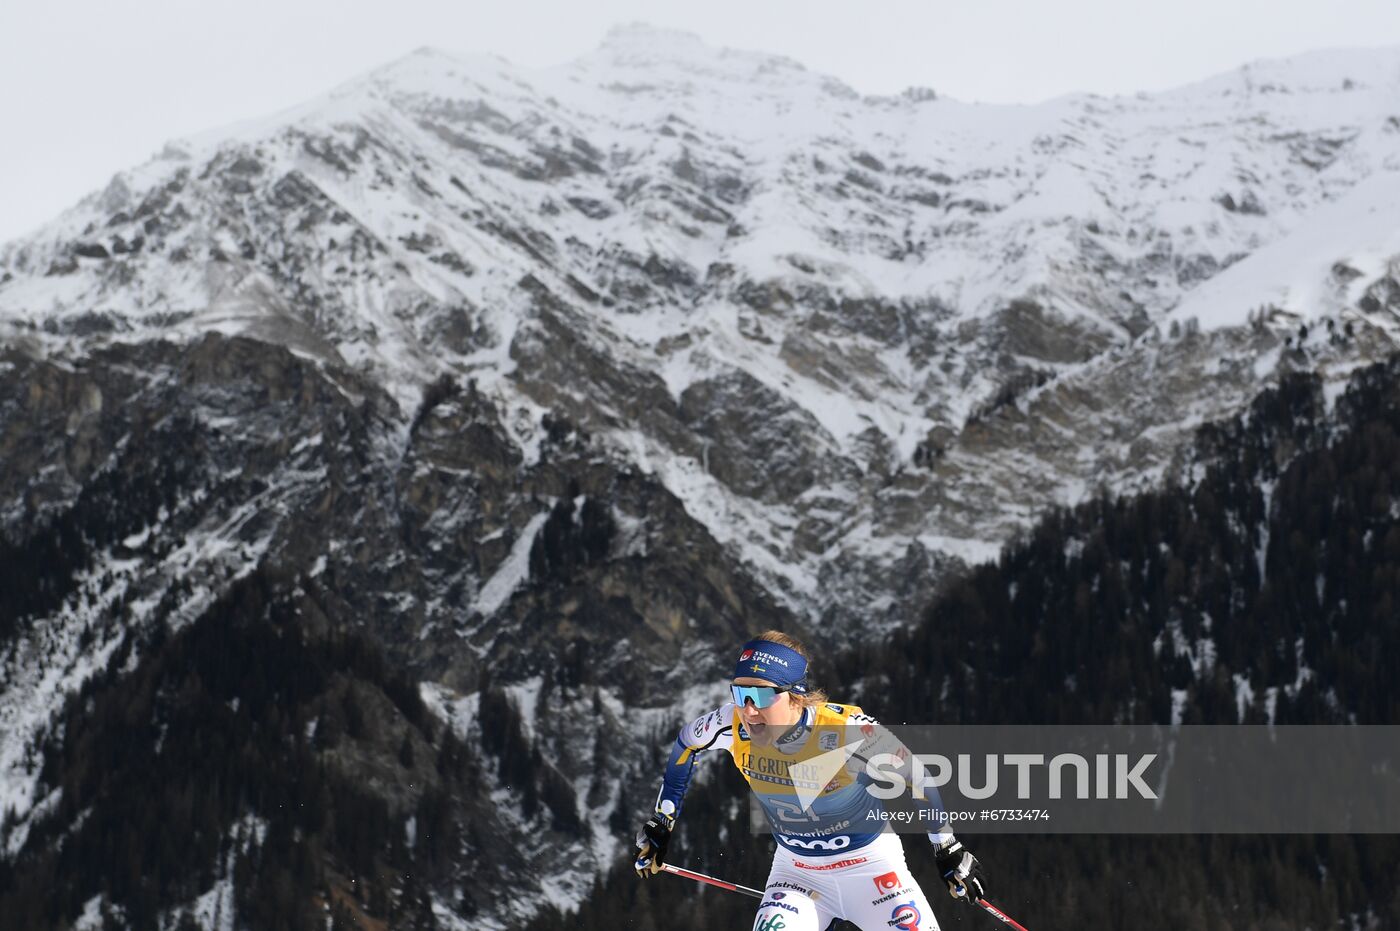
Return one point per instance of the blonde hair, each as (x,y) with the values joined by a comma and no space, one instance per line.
(812,696)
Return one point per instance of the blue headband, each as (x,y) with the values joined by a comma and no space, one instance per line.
(764,659)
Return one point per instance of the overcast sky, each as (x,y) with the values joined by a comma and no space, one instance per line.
(88,87)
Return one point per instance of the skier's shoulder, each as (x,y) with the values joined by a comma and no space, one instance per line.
(705,730)
(845,714)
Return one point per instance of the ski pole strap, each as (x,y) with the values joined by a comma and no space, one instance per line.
(1000,915)
(702,878)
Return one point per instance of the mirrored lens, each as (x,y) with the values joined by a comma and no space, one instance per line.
(761,695)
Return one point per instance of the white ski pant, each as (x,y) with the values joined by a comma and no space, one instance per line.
(871,887)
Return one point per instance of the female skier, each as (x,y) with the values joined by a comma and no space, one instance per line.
(831,861)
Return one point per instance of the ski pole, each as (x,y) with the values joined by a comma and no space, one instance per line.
(702,878)
(1000,915)
(735,887)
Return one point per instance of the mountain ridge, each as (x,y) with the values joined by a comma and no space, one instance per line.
(558,386)
(460,216)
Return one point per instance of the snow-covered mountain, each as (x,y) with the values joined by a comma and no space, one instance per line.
(668,241)
(829,347)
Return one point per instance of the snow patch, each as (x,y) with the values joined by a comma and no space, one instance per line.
(513,571)
(214,910)
(1295,275)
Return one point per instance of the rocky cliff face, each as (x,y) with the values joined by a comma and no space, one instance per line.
(229,456)
(600,368)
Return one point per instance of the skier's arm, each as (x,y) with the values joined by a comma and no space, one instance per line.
(879,743)
(707,732)
(959,868)
(704,733)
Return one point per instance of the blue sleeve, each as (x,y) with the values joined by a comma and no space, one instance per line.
(677,778)
(703,734)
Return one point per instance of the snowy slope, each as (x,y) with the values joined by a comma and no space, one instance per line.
(666,241)
(1324,268)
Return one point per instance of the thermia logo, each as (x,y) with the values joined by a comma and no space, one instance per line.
(905,917)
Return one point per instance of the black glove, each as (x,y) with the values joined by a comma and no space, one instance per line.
(651,844)
(960,870)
